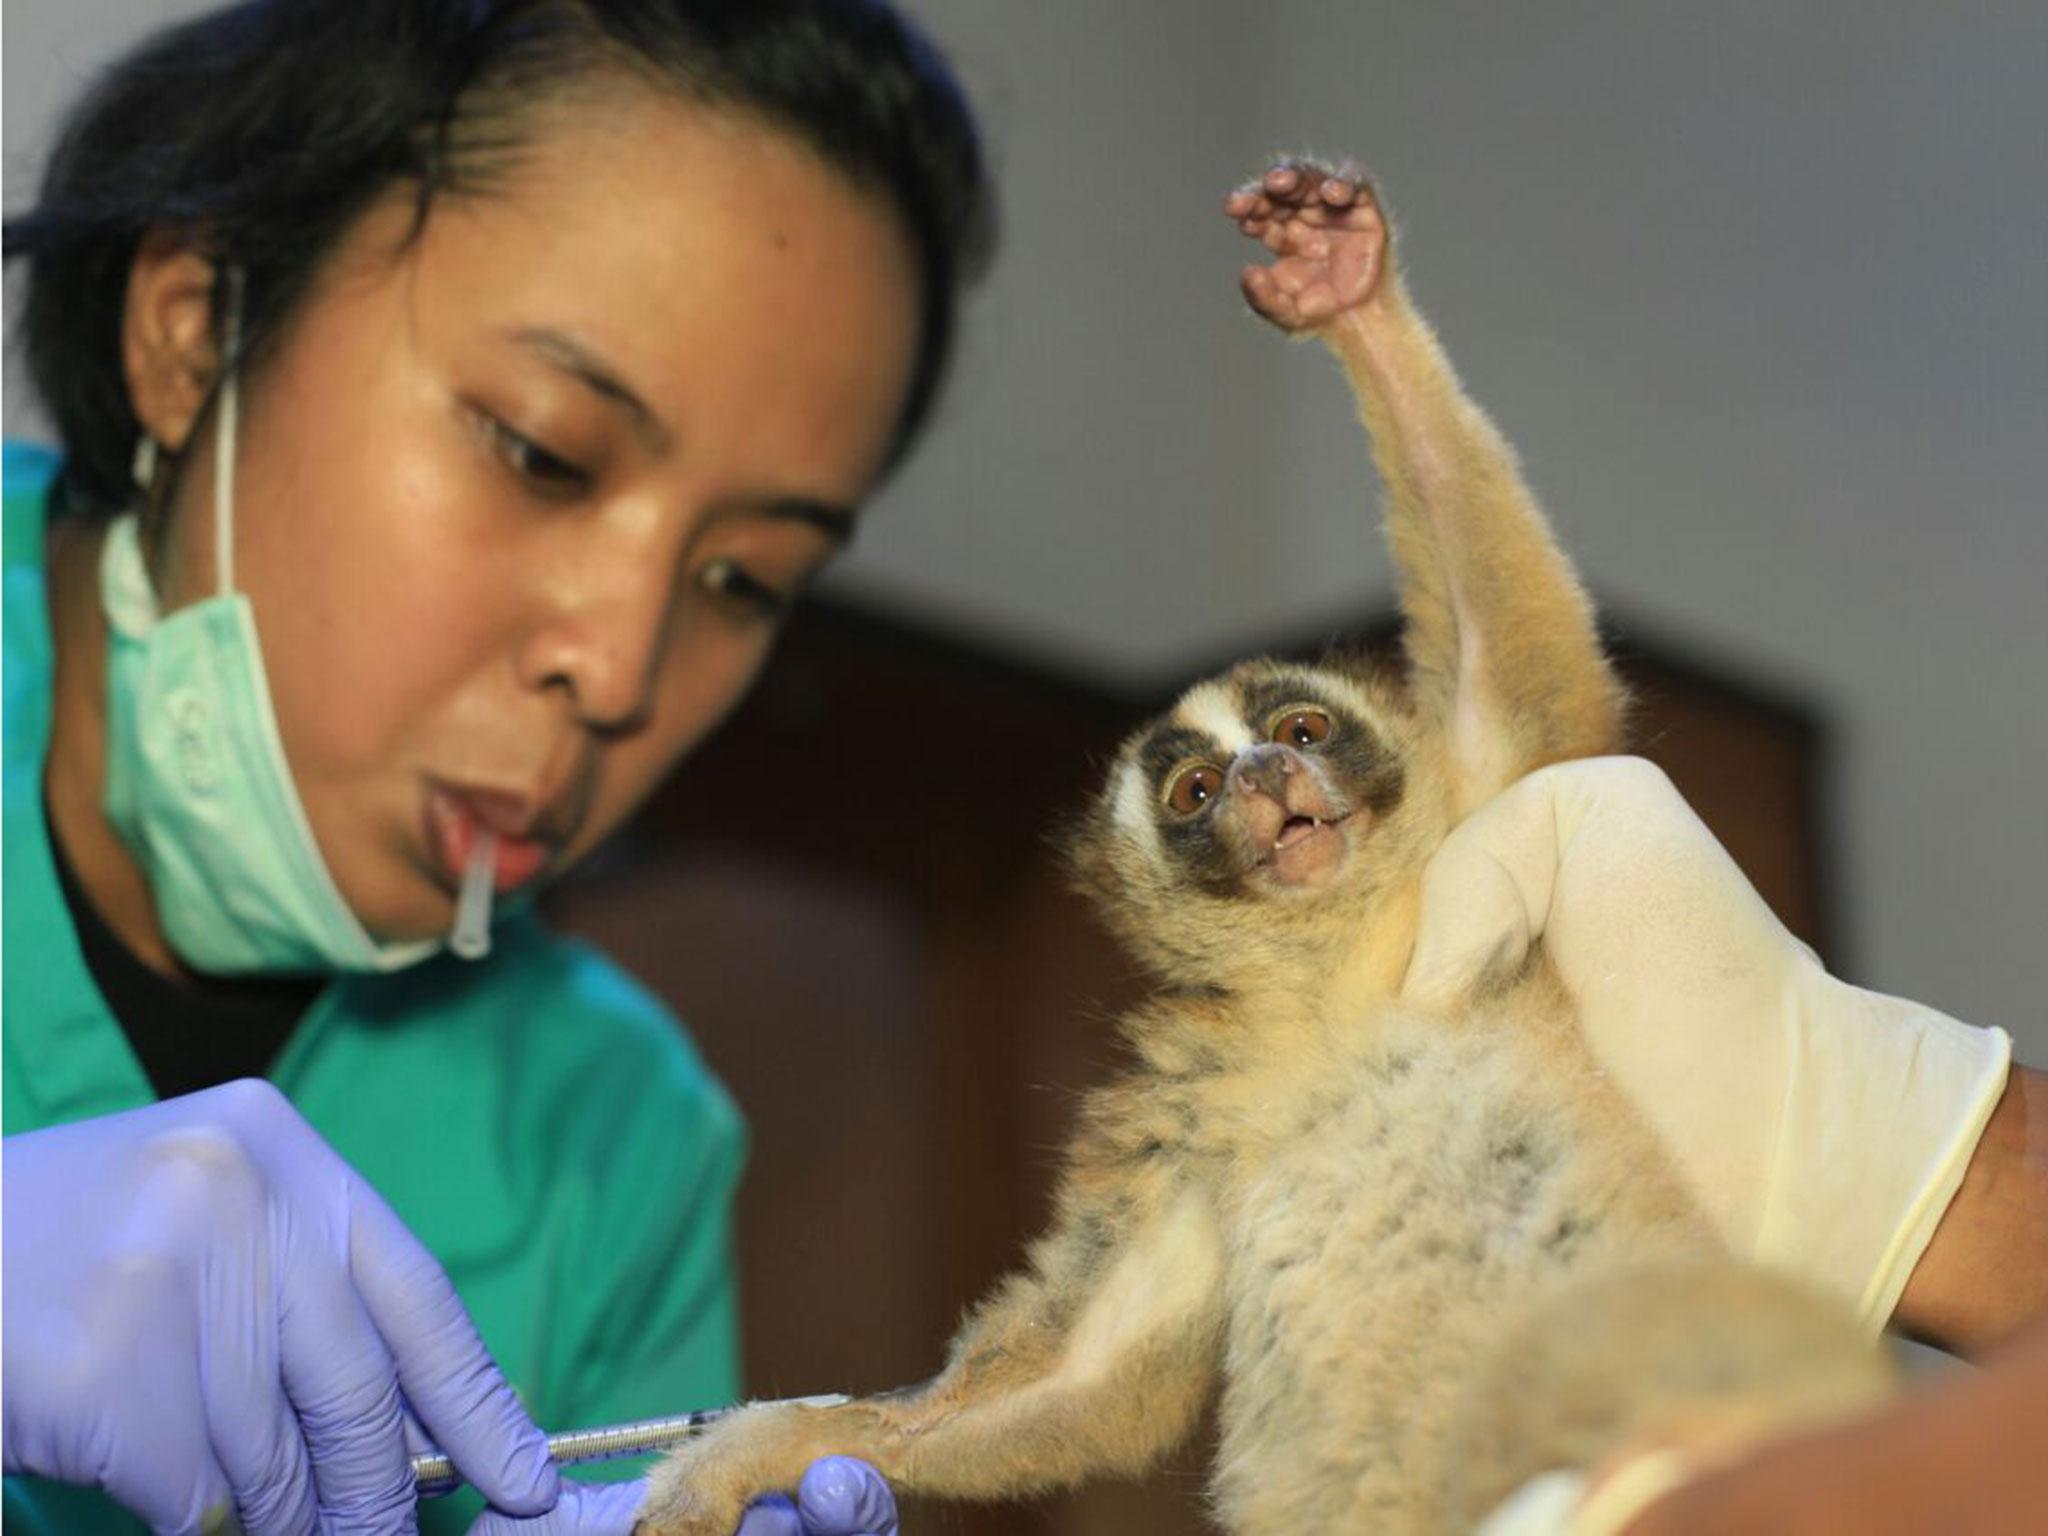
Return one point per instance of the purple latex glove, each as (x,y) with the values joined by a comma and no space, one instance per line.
(839,1496)
(207,1311)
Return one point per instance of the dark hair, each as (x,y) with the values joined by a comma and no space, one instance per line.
(267,128)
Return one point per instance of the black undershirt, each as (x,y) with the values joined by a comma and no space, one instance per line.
(190,1032)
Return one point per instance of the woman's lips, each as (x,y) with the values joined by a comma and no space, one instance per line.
(454,818)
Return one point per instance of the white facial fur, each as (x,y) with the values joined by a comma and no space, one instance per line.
(1133,808)
(1217,712)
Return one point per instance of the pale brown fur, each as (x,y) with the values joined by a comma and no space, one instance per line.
(1371,1225)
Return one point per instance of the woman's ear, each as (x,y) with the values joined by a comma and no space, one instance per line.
(167,340)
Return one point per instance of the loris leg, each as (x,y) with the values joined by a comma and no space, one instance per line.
(1096,1358)
(1500,635)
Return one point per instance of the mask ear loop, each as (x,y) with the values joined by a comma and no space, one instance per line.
(224,439)
(142,468)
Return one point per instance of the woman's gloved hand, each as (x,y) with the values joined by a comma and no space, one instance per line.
(839,1496)
(208,1313)
(1824,1127)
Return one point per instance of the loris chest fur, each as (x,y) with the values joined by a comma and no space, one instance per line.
(1388,1190)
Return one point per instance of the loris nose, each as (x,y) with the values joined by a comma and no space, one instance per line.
(1265,768)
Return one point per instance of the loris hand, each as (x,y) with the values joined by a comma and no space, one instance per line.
(1328,231)
(1826,1128)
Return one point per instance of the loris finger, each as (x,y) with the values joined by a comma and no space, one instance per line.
(1344,205)
(1308,289)
(1247,202)
(1305,186)
(1267,298)
(1310,190)
(1284,182)
(1344,185)
(1261,292)
(1254,215)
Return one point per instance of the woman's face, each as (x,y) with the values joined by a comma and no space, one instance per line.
(519,509)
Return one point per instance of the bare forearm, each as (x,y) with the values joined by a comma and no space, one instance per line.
(1984,1277)
(1962,1456)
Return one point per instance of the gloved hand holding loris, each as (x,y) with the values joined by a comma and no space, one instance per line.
(1828,1131)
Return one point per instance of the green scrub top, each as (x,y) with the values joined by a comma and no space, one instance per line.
(536,1118)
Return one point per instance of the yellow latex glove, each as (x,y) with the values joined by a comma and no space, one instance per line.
(1824,1128)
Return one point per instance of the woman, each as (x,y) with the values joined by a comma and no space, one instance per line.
(453,396)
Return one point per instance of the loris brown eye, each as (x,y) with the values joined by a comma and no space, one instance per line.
(1193,787)
(1301,727)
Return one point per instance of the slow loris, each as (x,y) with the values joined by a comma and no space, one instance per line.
(1424,1255)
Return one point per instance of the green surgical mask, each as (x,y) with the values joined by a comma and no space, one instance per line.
(198,787)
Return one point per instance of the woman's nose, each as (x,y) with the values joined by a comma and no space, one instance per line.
(604,616)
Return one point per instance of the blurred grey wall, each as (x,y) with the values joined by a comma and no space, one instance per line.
(1760,291)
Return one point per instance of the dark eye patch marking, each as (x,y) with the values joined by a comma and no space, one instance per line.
(1170,746)
(1190,843)
(1368,768)
(1267,697)
(1201,857)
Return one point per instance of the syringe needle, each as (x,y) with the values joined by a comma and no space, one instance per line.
(434,1473)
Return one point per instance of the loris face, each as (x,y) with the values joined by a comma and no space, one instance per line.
(1267,779)
(1268,787)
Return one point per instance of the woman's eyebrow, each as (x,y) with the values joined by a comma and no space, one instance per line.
(563,351)
(577,360)
(834,521)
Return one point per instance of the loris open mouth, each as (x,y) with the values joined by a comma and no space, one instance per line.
(1306,850)
(1295,829)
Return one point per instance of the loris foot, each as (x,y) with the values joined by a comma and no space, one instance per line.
(1329,235)
(703,1487)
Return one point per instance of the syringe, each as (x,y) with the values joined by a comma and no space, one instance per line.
(434,1474)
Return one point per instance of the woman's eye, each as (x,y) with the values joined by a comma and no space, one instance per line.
(1193,788)
(1301,727)
(733,582)
(549,472)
